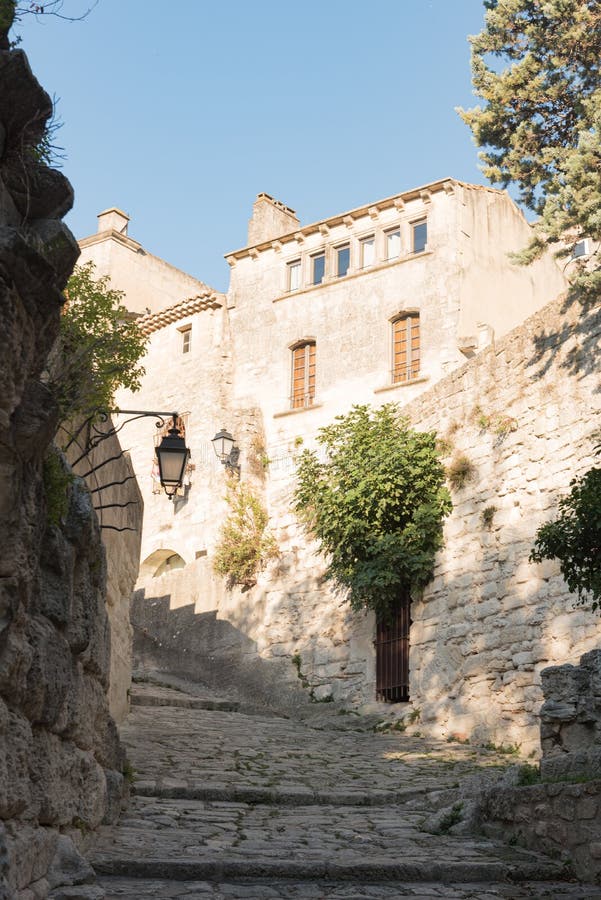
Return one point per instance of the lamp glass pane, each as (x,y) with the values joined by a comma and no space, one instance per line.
(172,464)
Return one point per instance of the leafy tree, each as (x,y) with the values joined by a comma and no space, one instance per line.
(575,538)
(376,505)
(245,545)
(99,347)
(536,65)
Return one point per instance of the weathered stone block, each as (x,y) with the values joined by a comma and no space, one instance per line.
(49,675)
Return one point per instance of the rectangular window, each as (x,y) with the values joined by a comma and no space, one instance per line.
(368,251)
(318,268)
(393,243)
(405,348)
(420,236)
(303,375)
(343,260)
(186,334)
(294,273)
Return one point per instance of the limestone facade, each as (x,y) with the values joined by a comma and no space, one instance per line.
(149,282)
(515,398)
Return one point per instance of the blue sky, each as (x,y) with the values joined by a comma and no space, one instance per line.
(182,118)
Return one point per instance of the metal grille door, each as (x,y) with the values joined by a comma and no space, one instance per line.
(392,655)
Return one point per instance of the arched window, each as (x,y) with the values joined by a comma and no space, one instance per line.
(303,375)
(405,347)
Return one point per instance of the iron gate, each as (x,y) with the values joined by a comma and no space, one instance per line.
(392,655)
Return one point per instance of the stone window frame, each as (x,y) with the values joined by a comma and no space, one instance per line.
(186,338)
(309,379)
(413,224)
(290,263)
(405,226)
(345,244)
(313,255)
(409,370)
(361,240)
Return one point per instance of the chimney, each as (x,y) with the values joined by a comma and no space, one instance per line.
(113,219)
(270,219)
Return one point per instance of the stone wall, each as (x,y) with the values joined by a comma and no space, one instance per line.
(561,815)
(117,499)
(60,758)
(524,413)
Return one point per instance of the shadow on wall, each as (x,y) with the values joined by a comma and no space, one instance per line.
(580,317)
(504,620)
(200,647)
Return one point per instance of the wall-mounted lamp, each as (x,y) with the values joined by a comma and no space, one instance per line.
(172,455)
(226,451)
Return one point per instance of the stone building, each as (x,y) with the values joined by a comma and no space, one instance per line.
(384,302)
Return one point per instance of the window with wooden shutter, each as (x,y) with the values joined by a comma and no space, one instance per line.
(405,348)
(303,375)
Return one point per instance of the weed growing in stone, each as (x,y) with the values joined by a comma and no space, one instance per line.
(528,774)
(57,479)
(453,817)
(488,515)
(503,749)
(460,472)
(129,773)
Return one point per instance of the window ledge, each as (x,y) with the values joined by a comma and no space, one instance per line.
(402,384)
(386,264)
(294,412)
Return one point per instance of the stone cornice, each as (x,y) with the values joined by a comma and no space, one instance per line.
(111,234)
(155,321)
(397,201)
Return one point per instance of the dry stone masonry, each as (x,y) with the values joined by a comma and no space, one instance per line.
(561,815)
(60,757)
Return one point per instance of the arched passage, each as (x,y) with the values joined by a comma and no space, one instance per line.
(160,562)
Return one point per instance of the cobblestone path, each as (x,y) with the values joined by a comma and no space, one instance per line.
(233,805)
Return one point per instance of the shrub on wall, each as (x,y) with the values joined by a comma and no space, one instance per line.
(376,505)
(99,347)
(245,545)
(575,538)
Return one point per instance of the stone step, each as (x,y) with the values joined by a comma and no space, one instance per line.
(375,870)
(184,702)
(170,788)
(118,888)
(187,840)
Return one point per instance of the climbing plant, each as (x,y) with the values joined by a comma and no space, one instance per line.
(245,545)
(574,538)
(376,503)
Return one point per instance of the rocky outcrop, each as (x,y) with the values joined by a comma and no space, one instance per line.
(60,758)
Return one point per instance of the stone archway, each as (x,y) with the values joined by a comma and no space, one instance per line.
(160,562)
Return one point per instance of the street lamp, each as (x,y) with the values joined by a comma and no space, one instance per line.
(172,456)
(226,451)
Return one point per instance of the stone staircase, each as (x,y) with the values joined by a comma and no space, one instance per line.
(228,804)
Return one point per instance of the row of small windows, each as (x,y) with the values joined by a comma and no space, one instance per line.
(405,360)
(368,254)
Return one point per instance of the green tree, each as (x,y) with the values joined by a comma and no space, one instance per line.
(536,66)
(98,350)
(376,503)
(575,538)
